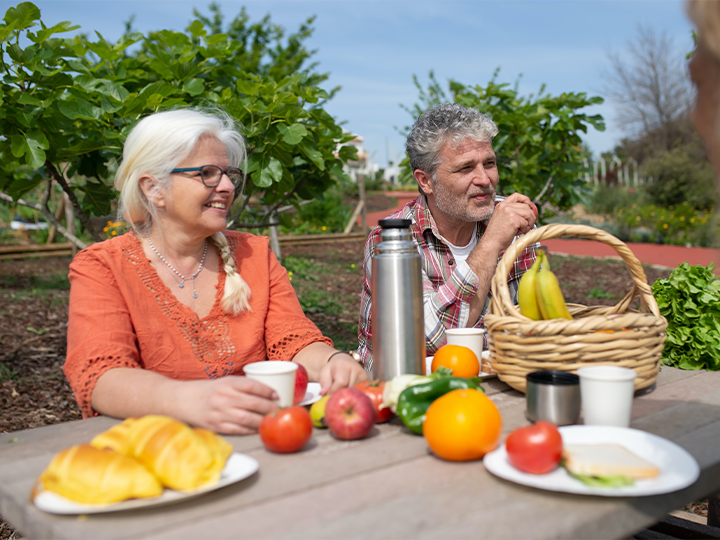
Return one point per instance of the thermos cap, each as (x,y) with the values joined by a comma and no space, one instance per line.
(395,223)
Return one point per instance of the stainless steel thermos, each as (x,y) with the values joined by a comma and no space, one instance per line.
(398,335)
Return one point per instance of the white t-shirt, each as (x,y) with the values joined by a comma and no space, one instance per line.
(461,253)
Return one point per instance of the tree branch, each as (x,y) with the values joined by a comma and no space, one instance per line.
(286,197)
(544,189)
(60,179)
(49,216)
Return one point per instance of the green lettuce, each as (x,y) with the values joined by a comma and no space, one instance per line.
(690,301)
(612,481)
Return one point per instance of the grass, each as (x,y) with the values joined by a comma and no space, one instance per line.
(8,373)
(599,293)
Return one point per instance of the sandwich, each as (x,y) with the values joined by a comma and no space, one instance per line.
(606,465)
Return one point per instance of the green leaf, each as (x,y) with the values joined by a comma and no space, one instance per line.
(197,28)
(612,481)
(270,173)
(312,154)
(18,145)
(292,134)
(99,197)
(194,87)
(16,53)
(79,109)
(41,35)
(23,16)
(37,143)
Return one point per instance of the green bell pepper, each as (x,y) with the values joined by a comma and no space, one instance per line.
(414,401)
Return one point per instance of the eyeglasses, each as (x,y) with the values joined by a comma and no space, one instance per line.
(211,175)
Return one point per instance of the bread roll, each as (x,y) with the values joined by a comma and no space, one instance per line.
(88,475)
(116,438)
(176,454)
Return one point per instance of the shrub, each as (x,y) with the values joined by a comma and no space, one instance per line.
(682,175)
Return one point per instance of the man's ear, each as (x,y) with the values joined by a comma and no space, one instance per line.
(424,181)
(151,190)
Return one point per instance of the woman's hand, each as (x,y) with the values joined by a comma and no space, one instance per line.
(231,405)
(341,371)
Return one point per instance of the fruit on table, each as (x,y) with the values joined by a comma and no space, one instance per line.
(89,475)
(549,296)
(535,449)
(350,414)
(461,360)
(374,390)
(415,400)
(301,384)
(317,412)
(286,430)
(462,425)
(527,295)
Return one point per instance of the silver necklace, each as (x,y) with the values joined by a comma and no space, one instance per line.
(171,267)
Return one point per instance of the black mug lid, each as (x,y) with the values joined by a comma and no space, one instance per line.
(395,223)
(559,378)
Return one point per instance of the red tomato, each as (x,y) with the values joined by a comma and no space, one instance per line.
(535,449)
(286,430)
(374,390)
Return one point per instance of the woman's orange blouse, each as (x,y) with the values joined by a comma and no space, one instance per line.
(123,315)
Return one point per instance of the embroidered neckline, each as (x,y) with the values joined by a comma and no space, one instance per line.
(209,337)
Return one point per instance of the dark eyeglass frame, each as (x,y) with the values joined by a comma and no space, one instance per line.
(202,175)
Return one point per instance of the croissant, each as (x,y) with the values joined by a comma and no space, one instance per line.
(85,474)
(176,454)
(116,438)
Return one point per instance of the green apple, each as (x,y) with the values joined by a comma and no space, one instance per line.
(317,412)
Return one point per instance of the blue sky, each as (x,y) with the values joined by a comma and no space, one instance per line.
(373,48)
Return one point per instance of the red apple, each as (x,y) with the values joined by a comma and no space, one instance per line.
(534,209)
(350,414)
(301,383)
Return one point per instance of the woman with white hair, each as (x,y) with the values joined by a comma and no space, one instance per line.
(163,318)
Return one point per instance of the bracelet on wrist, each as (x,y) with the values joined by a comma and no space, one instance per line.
(354,355)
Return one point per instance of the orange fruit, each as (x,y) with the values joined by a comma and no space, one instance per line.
(463,362)
(462,425)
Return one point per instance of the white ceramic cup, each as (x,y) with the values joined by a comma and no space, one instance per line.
(606,393)
(472,338)
(280,376)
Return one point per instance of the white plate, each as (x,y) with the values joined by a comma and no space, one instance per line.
(678,469)
(312,394)
(238,467)
(482,375)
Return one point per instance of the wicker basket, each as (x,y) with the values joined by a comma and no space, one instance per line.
(598,335)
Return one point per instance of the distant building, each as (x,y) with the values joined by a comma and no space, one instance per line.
(364,164)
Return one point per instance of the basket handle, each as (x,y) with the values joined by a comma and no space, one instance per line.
(501,302)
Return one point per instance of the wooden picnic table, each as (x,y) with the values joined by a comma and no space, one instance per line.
(386,486)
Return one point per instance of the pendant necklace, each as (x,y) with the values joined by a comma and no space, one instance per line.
(184,279)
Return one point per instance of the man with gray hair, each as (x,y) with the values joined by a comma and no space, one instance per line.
(460,225)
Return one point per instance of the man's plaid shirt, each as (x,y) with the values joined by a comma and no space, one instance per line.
(448,287)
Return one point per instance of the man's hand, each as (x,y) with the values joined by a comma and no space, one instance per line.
(514,216)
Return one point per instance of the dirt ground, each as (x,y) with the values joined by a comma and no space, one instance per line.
(34,306)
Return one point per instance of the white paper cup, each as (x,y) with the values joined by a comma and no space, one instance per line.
(280,376)
(606,393)
(472,338)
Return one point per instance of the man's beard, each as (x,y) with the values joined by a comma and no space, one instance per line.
(460,208)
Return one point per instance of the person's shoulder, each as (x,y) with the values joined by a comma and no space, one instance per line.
(106,249)
(244,244)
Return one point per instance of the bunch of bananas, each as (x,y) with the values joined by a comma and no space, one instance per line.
(539,294)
